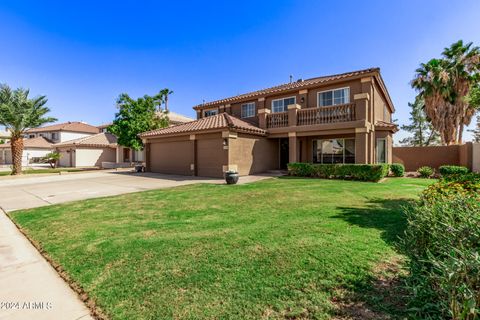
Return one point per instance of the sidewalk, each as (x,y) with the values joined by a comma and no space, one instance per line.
(29,287)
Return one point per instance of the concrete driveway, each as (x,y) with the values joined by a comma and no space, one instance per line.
(35,191)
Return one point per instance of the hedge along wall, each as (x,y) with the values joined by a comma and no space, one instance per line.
(435,156)
(362,172)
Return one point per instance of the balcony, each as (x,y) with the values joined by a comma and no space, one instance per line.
(311,116)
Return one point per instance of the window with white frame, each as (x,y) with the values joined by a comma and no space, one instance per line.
(280,105)
(212,112)
(381,150)
(334,151)
(248,110)
(333,97)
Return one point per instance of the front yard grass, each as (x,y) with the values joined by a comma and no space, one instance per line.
(46,170)
(279,248)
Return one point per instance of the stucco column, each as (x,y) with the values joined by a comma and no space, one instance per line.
(262,117)
(292,114)
(199,114)
(361,145)
(193,160)
(361,106)
(147,156)
(292,147)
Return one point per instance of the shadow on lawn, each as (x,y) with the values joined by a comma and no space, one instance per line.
(384,215)
(382,295)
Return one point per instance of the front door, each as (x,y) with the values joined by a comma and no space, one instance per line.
(283,153)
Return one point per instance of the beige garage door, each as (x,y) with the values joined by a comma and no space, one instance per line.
(171,157)
(210,158)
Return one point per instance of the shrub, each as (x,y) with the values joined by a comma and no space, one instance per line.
(397,169)
(448,170)
(425,172)
(362,172)
(442,240)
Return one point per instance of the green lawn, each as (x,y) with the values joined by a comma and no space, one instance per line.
(278,248)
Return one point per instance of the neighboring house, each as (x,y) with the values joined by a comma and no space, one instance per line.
(343,118)
(4,136)
(62,131)
(89,151)
(126,155)
(33,150)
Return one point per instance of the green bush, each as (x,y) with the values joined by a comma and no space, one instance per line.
(398,170)
(442,240)
(425,172)
(448,170)
(362,172)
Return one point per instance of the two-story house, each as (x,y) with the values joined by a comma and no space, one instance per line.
(343,118)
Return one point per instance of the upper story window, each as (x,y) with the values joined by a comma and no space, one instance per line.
(248,110)
(280,105)
(54,136)
(208,113)
(334,97)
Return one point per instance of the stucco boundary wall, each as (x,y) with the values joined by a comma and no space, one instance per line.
(467,155)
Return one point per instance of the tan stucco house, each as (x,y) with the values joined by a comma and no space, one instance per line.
(34,149)
(88,151)
(342,118)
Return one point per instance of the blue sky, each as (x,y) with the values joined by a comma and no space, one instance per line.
(83,54)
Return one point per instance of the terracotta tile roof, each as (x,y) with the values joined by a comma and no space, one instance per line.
(100,140)
(290,86)
(386,125)
(219,121)
(67,126)
(39,142)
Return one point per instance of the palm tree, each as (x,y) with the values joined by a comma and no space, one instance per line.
(432,81)
(18,113)
(463,67)
(444,84)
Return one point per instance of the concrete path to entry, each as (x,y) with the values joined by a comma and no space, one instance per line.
(35,191)
(29,286)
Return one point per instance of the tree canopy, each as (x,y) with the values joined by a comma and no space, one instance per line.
(444,85)
(137,116)
(423,132)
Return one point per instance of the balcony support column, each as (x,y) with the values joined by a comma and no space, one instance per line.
(292,114)
(292,147)
(361,106)
(262,117)
(363,152)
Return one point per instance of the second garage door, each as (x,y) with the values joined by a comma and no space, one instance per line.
(210,158)
(171,157)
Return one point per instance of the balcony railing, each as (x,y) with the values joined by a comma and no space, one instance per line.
(277,120)
(340,113)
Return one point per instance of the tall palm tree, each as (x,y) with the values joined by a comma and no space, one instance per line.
(444,84)
(432,81)
(18,113)
(463,67)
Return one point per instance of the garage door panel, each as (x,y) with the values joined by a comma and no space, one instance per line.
(210,157)
(171,157)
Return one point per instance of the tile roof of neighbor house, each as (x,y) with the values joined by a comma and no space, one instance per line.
(386,125)
(216,122)
(294,85)
(71,126)
(38,142)
(175,118)
(100,140)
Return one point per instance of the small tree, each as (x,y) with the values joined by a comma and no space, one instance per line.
(18,113)
(52,158)
(2,141)
(423,132)
(137,116)
(473,99)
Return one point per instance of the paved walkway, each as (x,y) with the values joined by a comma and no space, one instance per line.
(29,287)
